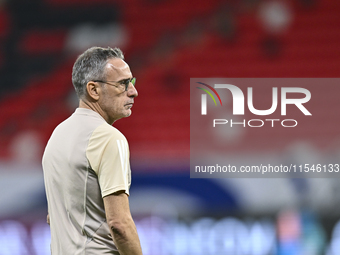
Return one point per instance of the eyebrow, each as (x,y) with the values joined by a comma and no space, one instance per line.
(124,80)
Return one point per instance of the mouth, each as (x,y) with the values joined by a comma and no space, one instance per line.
(129,105)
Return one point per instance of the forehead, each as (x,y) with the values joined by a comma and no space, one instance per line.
(117,69)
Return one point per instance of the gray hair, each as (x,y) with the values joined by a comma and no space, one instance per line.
(90,66)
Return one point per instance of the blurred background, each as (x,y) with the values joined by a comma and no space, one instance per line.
(167,42)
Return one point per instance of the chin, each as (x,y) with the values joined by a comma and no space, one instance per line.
(126,114)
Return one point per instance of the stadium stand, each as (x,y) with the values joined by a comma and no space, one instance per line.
(168,43)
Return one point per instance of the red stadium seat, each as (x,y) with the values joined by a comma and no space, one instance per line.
(39,42)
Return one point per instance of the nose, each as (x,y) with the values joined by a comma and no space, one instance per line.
(132,91)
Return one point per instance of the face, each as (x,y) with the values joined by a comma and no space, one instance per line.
(115,102)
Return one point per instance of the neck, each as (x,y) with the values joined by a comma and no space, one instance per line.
(94,107)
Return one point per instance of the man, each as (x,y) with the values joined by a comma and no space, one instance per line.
(86,162)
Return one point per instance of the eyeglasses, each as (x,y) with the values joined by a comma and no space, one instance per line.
(121,83)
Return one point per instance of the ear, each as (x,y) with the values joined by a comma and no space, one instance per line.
(93,90)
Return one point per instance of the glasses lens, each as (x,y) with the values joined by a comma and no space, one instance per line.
(127,82)
(133,81)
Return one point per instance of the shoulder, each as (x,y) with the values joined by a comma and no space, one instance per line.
(107,132)
(106,144)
